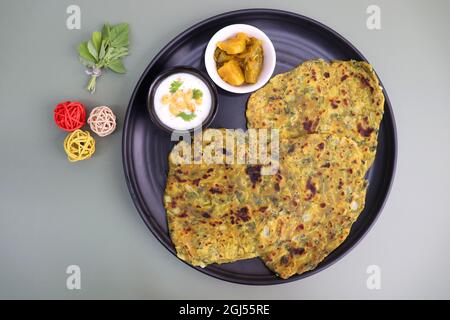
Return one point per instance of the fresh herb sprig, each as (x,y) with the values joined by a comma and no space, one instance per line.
(105,49)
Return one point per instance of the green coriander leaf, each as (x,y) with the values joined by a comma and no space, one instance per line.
(102,52)
(115,53)
(97,40)
(83,51)
(175,85)
(92,50)
(186,116)
(116,66)
(106,31)
(108,57)
(197,94)
(118,36)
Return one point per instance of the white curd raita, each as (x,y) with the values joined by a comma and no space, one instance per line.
(182,101)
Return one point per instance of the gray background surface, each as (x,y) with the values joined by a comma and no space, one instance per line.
(54,213)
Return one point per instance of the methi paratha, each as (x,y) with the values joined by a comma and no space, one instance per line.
(342,97)
(208,205)
(322,192)
(220,213)
(328,114)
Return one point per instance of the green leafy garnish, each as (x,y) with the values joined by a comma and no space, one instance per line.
(105,49)
(186,116)
(197,94)
(175,85)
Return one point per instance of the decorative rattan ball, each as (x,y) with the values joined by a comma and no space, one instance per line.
(102,121)
(79,145)
(70,116)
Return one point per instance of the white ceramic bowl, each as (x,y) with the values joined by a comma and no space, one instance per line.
(228,32)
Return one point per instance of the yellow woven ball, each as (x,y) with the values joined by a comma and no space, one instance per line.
(79,145)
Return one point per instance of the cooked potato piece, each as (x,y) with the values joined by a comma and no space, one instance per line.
(232,73)
(253,61)
(234,45)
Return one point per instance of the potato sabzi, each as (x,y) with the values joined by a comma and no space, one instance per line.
(239,59)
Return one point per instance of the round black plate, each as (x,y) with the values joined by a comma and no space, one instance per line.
(145,147)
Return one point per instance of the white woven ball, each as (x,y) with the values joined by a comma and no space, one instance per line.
(102,121)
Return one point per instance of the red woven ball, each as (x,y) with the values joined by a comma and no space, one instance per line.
(70,116)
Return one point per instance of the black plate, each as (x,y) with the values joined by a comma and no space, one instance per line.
(145,148)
